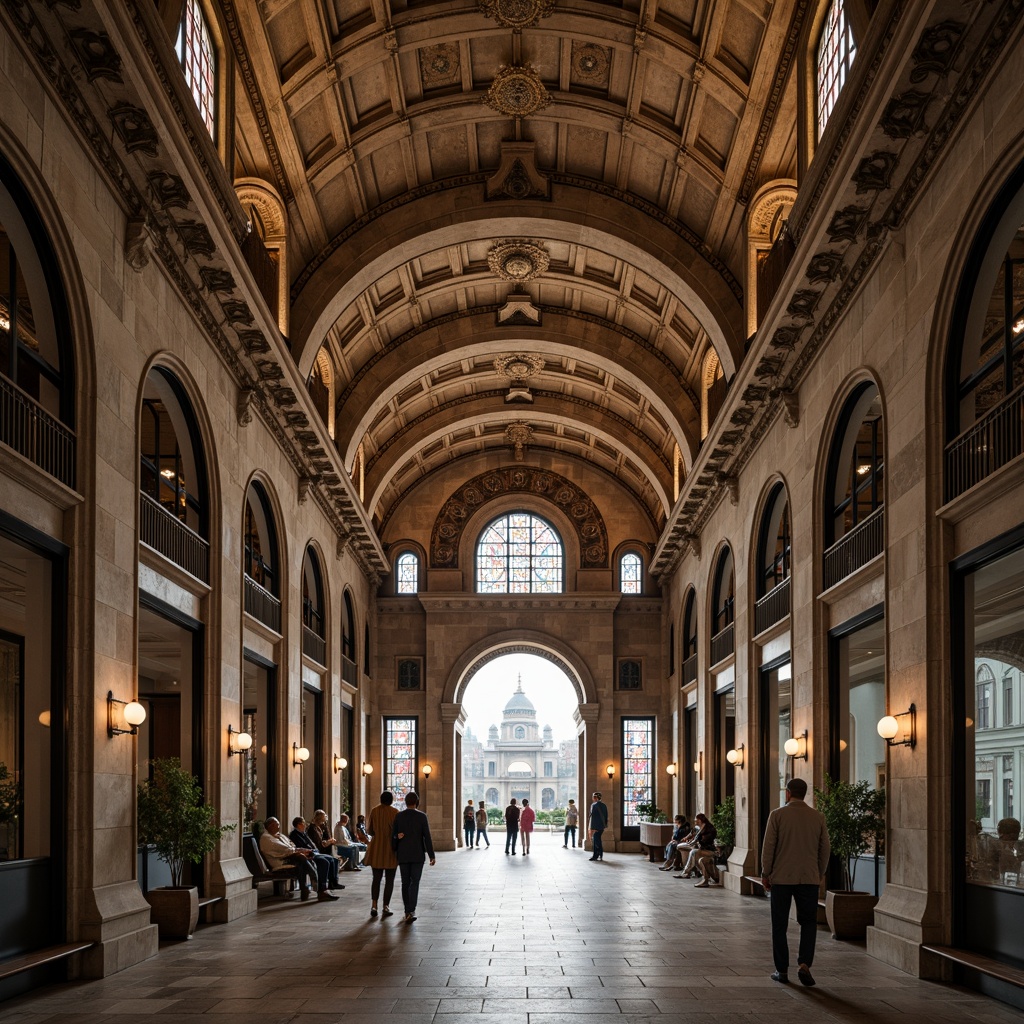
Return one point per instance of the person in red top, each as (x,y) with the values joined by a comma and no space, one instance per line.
(526,819)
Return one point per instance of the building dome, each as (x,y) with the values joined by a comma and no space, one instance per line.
(519,704)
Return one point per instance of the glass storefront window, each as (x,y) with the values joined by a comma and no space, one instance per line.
(994,614)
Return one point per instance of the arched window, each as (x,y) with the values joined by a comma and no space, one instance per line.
(836,50)
(348,629)
(629,675)
(690,636)
(35,343)
(519,553)
(856,477)
(492,797)
(712,392)
(409,674)
(312,595)
(407,573)
(985,360)
(631,573)
(547,799)
(198,57)
(520,735)
(321,389)
(985,681)
(774,553)
(723,598)
(260,558)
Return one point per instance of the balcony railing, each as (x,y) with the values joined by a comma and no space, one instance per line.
(173,539)
(723,643)
(690,669)
(263,268)
(771,269)
(314,647)
(32,432)
(854,550)
(772,608)
(261,604)
(349,671)
(992,442)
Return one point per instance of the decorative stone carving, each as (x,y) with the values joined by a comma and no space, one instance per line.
(786,337)
(517,176)
(731,483)
(519,436)
(904,115)
(138,243)
(825,267)
(581,511)
(874,172)
(519,311)
(791,407)
(243,407)
(305,483)
(590,64)
(516,14)
(802,304)
(254,341)
(134,128)
(517,261)
(517,91)
(344,539)
(936,50)
(440,65)
(168,190)
(269,370)
(846,223)
(283,397)
(98,57)
(693,539)
(237,312)
(217,280)
(519,367)
(195,237)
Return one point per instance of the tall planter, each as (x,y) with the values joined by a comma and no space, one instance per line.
(174,910)
(849,913)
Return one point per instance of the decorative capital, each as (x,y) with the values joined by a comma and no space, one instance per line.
(305,485)
(138,243)
(693,540)
(519,435)
(731,483)
(243,406)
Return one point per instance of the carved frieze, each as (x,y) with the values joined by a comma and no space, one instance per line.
(516,14)
(195,237)
(824,267)
(138,243)
(874,172)
(254,341)
(936,50)
(803,302)
(98,56)
(904,114)
(517,91)
(168,190)
(237,312)
(217,280)
(134,128)
(846,224)
(786,337)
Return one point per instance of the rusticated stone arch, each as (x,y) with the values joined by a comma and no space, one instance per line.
(575,504)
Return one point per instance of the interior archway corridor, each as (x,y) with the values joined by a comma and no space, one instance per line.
(535,940)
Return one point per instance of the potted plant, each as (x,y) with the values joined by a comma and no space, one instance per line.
(174,820)
(855,818)
(655,830)
(724,820)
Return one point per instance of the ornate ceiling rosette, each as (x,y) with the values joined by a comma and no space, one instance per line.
(519,366)
(516,13)
(519,435)
(517,91)
(517,261)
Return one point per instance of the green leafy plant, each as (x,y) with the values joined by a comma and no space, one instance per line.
(855,819)
(173,818)
(724,820)
(495,816)
(652,813)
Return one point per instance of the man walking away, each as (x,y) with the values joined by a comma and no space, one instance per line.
(598,823)
(481,825)
(411,836)
(793,860)
(572,819)
(511,825)
(469,824)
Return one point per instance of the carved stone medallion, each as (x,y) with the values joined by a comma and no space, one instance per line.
(517,262)
(517,91)
(516,13)
(519,435)
(519,366)
(440,65)
(590,63)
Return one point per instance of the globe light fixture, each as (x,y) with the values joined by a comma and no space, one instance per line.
(132,713)
(735,757)
(890,726)
(300,755)
(796,746)
(243,742)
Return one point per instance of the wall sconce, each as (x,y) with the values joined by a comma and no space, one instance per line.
(427,769)
(610,771)
(132,712)
(300,755)
(698,765)
(735,757)
(796,746)
(243,742)
(890,727)
(367,768)
(339,763)
(672,768)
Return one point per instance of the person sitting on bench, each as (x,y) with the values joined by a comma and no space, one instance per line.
(348,849)
(281,852)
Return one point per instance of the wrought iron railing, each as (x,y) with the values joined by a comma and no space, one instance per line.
(771,269)
(349,671)
(313,646)
(173,539)
(723,643)
(985,447)
(690,669)
(856,548)
(263,268)
(32,432)
(772,608)
(261,604)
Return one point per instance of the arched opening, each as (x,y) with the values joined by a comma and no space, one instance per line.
(520,553)
(521,738)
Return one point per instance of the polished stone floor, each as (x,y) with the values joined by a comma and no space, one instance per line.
(526,940)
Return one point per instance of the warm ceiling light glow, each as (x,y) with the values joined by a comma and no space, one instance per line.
(888,727)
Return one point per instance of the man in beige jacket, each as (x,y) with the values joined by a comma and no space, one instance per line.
(793,860)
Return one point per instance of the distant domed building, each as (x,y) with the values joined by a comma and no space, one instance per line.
(519,760)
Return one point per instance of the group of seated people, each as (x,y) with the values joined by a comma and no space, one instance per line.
(317,852)
(691,850)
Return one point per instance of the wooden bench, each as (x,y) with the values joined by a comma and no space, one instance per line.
(39,957)
(260,871)
(980,963)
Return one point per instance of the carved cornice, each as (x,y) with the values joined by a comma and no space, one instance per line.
(576,505)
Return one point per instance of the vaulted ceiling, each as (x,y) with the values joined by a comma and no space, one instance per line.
(592,160)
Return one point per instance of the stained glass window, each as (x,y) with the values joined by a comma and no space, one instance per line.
(519,553)
(400,756)
(199,61)
(637,767)
(631,570)
(836,50)
(407,573)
